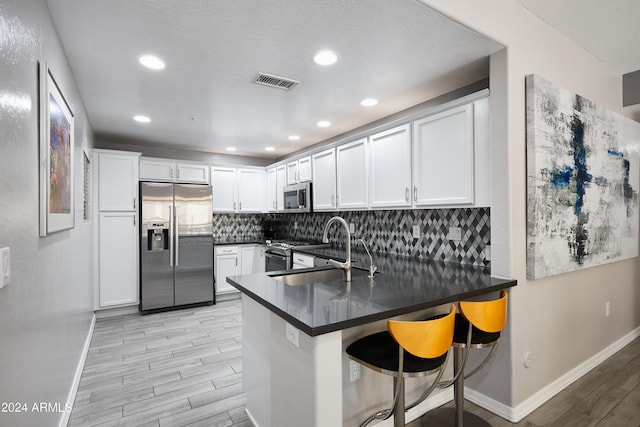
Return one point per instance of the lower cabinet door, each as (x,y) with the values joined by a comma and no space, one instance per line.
(118,258)
(226,265)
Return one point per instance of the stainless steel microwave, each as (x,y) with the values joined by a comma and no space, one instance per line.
(297,197)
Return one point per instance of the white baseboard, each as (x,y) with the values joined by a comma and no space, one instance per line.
(117,311)
(516,414)
(253,421)
(76,379)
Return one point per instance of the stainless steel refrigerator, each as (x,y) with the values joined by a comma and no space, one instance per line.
(176,245)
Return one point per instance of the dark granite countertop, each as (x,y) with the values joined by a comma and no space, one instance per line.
(402,285)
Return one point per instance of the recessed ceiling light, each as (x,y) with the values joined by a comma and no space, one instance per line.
(141,119)
(231,148)
(152,61)
(269,149)
(369,102)
(325,57)
(293,137)
(324,123)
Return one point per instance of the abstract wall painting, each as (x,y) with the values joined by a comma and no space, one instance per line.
(582,182)
(56,157)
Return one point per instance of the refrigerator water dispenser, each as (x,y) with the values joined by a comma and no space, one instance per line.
(157,237)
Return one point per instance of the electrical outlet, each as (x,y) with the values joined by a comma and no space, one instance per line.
(455,233)
(416,231)
(607,309)
(295,225)
(352,227)
(293,335)
(5,266)
(354,371)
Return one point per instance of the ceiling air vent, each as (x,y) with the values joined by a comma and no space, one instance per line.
(276,81)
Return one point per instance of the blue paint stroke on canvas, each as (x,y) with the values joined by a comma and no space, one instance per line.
(582,178)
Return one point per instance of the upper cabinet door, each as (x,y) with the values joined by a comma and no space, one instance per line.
(157,170)
(324,180)
(251,190)
(118,182)
(271,190)
(281,178)
(223,181)
(443,158)
(391,167)
(304,169)
(352,175)
(187,172)
(292,173)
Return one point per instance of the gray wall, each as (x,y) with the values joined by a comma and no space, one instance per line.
(46,310)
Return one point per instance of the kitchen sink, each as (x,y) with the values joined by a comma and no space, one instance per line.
(319,276)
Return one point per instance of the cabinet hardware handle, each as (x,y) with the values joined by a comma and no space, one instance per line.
(240,206)
(234,206)
(415,193)
(134,220)
(178,173)
(406,194)
(134,203)
(171,173)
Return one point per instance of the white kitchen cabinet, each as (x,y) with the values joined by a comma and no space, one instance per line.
(252,259)
(238,190)
(352,175)
(443,158)
(281,178)
(276,180)
(172,171)
(299,171)
(302,261)
(324,180)
(227,263)
(272,195)
(223,181)
(116,229)
(117,180)
(251,197)
(390,168)
(118,253)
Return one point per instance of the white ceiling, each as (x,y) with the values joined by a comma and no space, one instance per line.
(393,50)
(206,98)
(608,29)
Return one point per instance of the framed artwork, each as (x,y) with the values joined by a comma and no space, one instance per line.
(56,157)
(582,182)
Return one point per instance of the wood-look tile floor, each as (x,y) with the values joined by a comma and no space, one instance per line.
(177,368)
(184,368)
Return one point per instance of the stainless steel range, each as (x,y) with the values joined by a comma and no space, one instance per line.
(278,253)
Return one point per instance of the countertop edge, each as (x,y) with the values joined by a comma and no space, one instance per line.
(342,325)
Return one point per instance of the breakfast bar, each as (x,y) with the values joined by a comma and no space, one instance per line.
(296,325)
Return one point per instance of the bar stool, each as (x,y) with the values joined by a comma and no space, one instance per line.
(478,325)
(406,349)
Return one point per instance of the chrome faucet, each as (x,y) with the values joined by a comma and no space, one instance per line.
(346,266)
(372,267)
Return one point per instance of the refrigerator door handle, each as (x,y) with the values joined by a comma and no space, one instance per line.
(171,249)
(175,223)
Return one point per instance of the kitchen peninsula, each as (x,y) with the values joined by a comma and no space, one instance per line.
(294,336)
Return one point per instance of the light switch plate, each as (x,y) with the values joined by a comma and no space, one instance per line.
(352,227)
(293,335)
(455,233)
(5,266)
(416,231)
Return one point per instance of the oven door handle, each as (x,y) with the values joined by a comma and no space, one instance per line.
(275,255)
